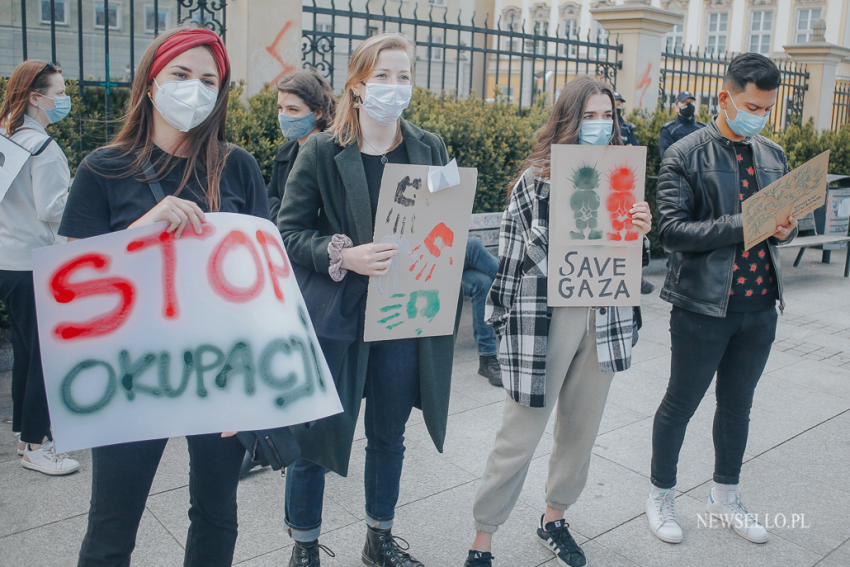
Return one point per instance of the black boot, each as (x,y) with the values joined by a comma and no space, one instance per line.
(307,554)
(382,550)
(488,366)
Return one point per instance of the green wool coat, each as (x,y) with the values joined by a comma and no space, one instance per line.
(327,183)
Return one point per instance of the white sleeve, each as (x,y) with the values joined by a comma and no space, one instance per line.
(51,179)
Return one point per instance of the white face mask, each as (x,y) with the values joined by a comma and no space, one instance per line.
(184,104)
(385,103)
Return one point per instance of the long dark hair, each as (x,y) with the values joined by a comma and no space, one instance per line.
(30,76)
(564,124)
(315,91)
(205,145)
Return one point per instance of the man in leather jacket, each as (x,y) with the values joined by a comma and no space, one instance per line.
(682,125)
(724,297)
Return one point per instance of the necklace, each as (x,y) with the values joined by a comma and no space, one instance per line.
(383,154)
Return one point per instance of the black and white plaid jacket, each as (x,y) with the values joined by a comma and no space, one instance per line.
(516,305)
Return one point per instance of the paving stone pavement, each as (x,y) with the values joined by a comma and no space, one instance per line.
(795,471)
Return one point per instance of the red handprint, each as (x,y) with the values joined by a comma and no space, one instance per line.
(445,234)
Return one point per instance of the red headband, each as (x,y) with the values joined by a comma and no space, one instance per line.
(186,40)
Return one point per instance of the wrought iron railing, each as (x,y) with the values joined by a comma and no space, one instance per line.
(840,105)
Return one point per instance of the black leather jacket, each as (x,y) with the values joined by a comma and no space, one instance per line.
(700,216)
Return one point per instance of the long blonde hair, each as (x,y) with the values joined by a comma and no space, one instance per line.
(346,126)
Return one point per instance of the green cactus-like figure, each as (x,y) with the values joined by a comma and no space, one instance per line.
(585,203)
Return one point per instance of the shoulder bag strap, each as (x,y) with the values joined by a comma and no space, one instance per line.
(154,185)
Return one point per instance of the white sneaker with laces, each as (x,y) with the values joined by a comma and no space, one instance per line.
(19,445)
(733,514)
(45,460)
(661,515)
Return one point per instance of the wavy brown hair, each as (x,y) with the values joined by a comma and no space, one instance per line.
(315,91)
(205,145)
(564,124)
(30,76)
(346,126)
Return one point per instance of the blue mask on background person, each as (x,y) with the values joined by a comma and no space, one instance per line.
(596,132)
(746,124)
(296,128)
(61,109)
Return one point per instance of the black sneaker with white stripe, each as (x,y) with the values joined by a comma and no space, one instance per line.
(556,537)
(477,558)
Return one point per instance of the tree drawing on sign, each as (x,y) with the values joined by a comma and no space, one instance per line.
(427,258)
(404,199)
(424,304)
(585,203)
(620,201)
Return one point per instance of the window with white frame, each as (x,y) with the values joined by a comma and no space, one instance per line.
(761,26)
(60,12)
(510,22)
(156,20)
(436,49)
(601,37)
(806,17)
(437,2)
(718,27)
(114,15)
(570,31)
(540,28)
(675,39)
(324,27)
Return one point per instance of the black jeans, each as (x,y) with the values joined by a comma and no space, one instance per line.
(29,401)
(121,480)
(736,347)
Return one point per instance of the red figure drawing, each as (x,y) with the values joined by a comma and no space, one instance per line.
(272,49)
(446,236)
(644,83)
(620,202)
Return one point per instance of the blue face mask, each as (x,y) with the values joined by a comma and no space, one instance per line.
(596,132)
(61,109)
(746,123)
(296,128)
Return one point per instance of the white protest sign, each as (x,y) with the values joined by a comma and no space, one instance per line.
(418,296)
(594,251)
(144,336)
(12,159)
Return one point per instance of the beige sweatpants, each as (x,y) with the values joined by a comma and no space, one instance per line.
(576,386)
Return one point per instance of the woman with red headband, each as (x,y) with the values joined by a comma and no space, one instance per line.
(173,135)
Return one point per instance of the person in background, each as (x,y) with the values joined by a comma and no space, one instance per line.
(685,123)
(305,105)
(627,133)
(559,359)
(479,271)
(29,218)
(724,296)
(174,136)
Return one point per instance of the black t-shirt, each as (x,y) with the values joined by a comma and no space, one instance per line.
(99,204)
(753,283)
(374,168)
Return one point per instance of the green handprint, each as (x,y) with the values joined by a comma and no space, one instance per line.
(395,311)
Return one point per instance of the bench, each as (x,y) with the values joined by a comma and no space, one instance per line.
(485,227)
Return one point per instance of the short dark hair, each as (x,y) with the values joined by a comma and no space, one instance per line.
(315,91)
(752,68)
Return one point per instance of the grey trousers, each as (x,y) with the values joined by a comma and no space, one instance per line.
(577,390)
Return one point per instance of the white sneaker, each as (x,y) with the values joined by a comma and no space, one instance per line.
(735,515)
(19,445)
(661,515)
(45,460)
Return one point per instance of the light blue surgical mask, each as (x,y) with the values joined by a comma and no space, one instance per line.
(746,123)
(295,128)
(596,132)
(60,110)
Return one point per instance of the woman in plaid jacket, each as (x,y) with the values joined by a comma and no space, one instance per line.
(588,344)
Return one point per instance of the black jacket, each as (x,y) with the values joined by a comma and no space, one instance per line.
(675,130)
(700,216)
(627,132)
(283,161)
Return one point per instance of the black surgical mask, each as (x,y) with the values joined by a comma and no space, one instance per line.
(687,111)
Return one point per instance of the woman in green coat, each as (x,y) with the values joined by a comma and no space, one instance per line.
(327,222)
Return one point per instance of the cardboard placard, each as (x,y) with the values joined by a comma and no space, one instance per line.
(798,192)
(144,336)
(12,158)
(417,297)
(594,251)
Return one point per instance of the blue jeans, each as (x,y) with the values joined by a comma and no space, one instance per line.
(121,480)
(479,271)
(736,347)
(392,387)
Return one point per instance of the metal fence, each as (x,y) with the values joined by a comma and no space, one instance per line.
(702,74)
(514,58)
(100,44)
(840,105)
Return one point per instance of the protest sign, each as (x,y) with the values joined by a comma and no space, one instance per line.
(594,251)
(799,192)
(145,336)
(12,159)
(418,295)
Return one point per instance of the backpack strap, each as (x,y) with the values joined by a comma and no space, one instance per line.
(155,187)
(43,146)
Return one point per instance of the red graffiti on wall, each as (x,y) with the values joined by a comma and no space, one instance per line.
(273,51)
(644,83)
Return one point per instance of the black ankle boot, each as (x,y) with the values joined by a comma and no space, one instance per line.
(307,554)
(382,550)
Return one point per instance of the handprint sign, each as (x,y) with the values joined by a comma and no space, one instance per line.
(397,313)
(401,216)
(426,260)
